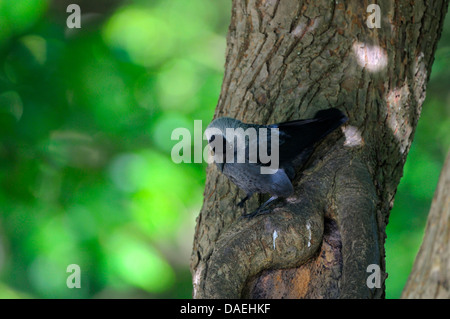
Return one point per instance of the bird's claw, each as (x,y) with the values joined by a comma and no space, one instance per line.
(257,212)
(242,202)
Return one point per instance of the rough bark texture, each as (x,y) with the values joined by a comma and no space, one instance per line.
(430,277)
(285,60)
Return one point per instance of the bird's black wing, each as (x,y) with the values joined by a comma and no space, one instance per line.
(300,135)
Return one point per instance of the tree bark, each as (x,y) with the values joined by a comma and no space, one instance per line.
(286,60)
(430,277)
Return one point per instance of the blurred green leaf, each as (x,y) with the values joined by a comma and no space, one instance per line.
(142,35)
(18,15)
(137,263)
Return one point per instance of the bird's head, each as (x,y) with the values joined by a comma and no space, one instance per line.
(216,134)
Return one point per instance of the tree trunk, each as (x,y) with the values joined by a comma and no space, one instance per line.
(430,277)
(286,60)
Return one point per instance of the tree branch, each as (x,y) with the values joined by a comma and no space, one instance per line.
(430,276)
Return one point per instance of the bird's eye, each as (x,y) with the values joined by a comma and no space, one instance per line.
(212,139)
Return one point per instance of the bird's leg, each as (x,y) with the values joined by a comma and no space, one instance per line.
(260,209)
(242,202)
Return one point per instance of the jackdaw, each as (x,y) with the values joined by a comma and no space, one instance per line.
(263,158)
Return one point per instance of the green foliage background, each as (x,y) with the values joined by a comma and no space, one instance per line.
(86,117)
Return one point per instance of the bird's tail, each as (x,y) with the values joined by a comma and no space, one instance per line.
(301,135)
(314,129)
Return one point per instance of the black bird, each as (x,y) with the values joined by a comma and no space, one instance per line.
(265,163)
